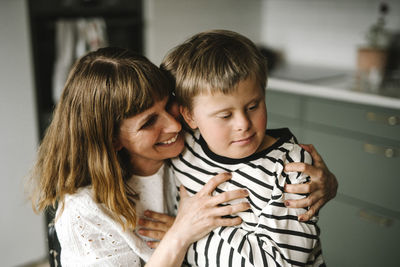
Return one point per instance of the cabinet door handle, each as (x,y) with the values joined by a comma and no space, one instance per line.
(388,152)
(380,220)
(391,120)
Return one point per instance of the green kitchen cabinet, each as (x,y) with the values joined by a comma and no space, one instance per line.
(361,145)
(283,111)
(354,235)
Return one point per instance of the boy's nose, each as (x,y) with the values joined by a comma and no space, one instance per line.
(242,122)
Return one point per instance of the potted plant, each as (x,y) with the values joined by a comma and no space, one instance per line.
(371,59)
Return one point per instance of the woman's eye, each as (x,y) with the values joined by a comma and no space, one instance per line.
(171,101)
(150,122)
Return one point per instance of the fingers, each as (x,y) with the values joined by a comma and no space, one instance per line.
(158,235)
(322,187)
(228,196)
(303,202)
(231,209)
(154,225)
(152,244)
(296,167)
(298,203)
(228,221)
(311,212)
(310,170)
(313,202)
(210,186)
(300,188)
(161,217)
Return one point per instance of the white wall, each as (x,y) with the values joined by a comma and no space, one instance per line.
(322,32)
(170,22)
(310,32)
(22,236)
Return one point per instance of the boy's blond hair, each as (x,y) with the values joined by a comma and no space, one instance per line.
(213,61)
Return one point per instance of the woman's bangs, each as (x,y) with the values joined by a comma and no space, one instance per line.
(144,90)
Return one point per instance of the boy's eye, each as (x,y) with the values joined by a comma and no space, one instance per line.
(224,115)
(254,106)
(150,122)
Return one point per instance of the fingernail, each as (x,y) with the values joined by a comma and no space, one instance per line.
(287,203)
(147,213)
(229,174)
(301,218)
(245,191)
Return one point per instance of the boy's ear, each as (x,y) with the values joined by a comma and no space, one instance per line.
(188,117)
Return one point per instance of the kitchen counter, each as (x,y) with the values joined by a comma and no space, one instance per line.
(334,93)
(329,83)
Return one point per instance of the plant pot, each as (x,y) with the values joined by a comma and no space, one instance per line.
(371,58)
(371,64)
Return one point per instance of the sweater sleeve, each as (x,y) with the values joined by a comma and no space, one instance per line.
(89,237)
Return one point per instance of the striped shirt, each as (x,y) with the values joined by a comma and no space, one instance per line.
(270,234)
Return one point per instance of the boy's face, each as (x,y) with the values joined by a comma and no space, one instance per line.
(233,125)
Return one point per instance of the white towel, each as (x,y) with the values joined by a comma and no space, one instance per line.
(74,38)
(91,35)
(65,55)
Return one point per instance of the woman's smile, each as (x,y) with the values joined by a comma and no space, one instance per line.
(170,141)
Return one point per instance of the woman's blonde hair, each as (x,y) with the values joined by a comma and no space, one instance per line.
(103,88)
(213,61)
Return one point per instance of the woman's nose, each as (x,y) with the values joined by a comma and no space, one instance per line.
(171,123)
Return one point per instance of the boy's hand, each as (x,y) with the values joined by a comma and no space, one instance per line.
(321,188)
(155,225)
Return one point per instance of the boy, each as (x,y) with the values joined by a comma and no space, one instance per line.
(220,80)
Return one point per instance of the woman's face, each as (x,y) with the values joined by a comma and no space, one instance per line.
(151,137)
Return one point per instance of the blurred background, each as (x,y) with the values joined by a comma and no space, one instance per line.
(41,38)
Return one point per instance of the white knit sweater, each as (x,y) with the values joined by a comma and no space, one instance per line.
(90,237)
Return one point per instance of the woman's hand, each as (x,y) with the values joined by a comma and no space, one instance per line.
(200,214)
(197,216)
(155,225)
(322,186)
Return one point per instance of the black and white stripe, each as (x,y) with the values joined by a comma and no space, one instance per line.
(270,234)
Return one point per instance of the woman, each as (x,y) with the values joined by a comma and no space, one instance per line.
(102,160)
